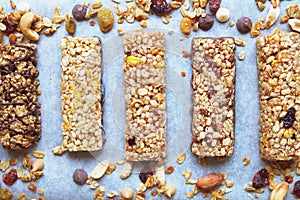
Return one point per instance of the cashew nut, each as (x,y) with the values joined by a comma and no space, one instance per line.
(25,25)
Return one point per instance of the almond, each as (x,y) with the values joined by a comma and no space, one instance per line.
(279,192)
(210,181)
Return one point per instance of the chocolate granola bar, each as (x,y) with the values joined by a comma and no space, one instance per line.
(145,96)
(279,94)
(213,91)
(81,94)
(20,117)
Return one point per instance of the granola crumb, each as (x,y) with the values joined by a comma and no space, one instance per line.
(246,161)
(170,32)
(241,55)
(185,54)
(120,31)
(231,23)
(92,23)
(183,74)
(40,191)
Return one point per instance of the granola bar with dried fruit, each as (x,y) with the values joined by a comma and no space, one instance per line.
(213,91)
(20,117)
(81,94)
(279,95)
(145,96)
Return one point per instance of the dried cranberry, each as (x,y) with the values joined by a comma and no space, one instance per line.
(10,178)
(260,179)
(296,189)
(131,141)
(145,172)
(214,5)
(161,7)
(289,118)
(10,28)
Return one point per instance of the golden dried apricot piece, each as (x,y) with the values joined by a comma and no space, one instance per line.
(105,19)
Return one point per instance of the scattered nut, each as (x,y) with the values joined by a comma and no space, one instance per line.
(279,192)
(111,168)
(25,25)
(272,16)
(38,154)
(80,176)
(70,24)
(5,194)
(127,193)
(22,196)
(240,42)
(37,165)
(231,23)
(222,15)
(229,184)
(210,181)
(244,25)
(295,24)
(241,55)
(181,158)
(79,12)
(126,170)
(112,194)
(170,190)
(206,22)
(100,169)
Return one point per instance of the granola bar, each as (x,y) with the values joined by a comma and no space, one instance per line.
(213,91)
(145,96)
(81,96)
(20,117)
(279,83)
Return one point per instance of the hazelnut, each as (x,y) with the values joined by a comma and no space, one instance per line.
(244,25)
(223,15)
(80,176)
(205,23)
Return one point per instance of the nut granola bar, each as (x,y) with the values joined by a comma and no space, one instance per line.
(213,91)
(279,83)
(20,117)
(81,96)
(145,96)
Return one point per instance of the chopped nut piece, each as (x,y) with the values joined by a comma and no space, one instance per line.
(4,165)
(96,5)
(240,42)
(38,154)
(143,23)
(181,158)
(185,54)
(284,19)
(246,161)
(189,194)
(241,55)
(40,191)
(229,183)
(272,16)
(169,170)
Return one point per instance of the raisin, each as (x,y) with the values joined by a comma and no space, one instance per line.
(131,141)
(260,179)
(105,19)
(161,7)
(296,189)
(10,178)
(289,118)
(10,28)
(214,5)
(79,12)
(145,172)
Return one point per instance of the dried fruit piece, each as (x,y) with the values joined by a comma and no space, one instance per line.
(289,118)
(214,5)
(10,178)
(210,181)
(260,179)
(100,169)
(279,192)
(145,173)
(244,25)
(80,176)
(79,12)
(105,19)
(185,25)
(205,23)
(160,7)
(296,189)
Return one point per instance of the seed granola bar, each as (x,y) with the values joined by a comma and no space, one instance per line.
(145,96)
(20,117)
(213,86)
(279,83)
(81,95)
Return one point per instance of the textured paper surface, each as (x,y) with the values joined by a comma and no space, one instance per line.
(57,181)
